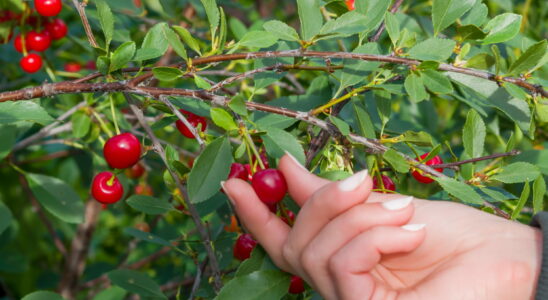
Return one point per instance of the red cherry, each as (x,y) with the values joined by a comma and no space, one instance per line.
(48,8)
(38,41)
(387,183)
(91,65)
(243,247)
(238,171)
(248,169)
(269,185)
(73,67)
(194,120)
(106,188)
(143,189)
(136,171)
(264,160)
(297,285)
(32,21)
(31,63)
(290,219)
(350,4)
(57,29)
(436,160)
(18,44)
(122,151)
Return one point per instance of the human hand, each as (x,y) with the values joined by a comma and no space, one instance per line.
(349,243)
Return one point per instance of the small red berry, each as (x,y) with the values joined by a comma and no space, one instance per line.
(350,4)
(297,285)
(248,169)
(264,160)
(90,65)
(57,29)
(38,41)
(269,185)
(143,189)
(387,183)
(122,151)
(290,219)
(31,63)
(18,44)
(136,171)
(48,8)
(194,120)
(238,171)
(243,246)
(106,188)
(436,160)
(73,67)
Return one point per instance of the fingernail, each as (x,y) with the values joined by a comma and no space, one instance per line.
(397,204)
(226,193)
(413,227)
(295,161)
(352,182)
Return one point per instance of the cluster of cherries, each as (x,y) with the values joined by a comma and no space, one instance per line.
(44,30)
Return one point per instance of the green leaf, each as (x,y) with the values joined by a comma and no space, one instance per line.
(12,112)
(201,83)
(350,23)
(470,32)
(375,11)
(154,39)
(259,285)
(473,134)
(122,55)
(522,200)
(281,30)
(343,127)
(149,205)
(415,88)
(541,112)
(433,49)
(392,27)
(420,138)
(188,38)
(223,119)
(529,59)
(481,61)
(5,217)
(106,19)
(43,295)
(136,282)
(355,71)
(460,190)
(310,17)
(175,43)
(539,190)
(365,125)
(517,172)
(213,14)
(111,293)
(237,104)
(477,15)
(81,123)
(146,236)
(446,12)
(57,197)
(502,28)
(278,141)
(437,82)
(516,109)
(210,168)
(8,136)
(259,39)
(396,161)
(167,73)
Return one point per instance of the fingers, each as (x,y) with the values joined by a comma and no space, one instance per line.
(269,230)
(300,182)
(351,265)
(343,229)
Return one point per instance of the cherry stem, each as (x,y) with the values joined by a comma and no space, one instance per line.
(110,182)
(113,112)
(101,123)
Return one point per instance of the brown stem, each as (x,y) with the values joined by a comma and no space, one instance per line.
(382,27)
(80,7)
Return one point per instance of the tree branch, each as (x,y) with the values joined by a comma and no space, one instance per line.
(80,7)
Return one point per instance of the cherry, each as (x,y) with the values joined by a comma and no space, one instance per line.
(122,151)
(106,188)
(73,67)
(350,4)
(297,285)
(248,169)
(194,120)
(238,171)
(90,65)
(264,160)
(387,183)
(38,41)
(436,160)
(48,8)
(57,29)
(31,63)
(243,247)
(136,171)
(143,189)
(269,185)
(290,219)
(18,44)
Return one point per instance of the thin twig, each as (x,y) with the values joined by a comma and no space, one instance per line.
(382,27)
(183,119)
(80,7)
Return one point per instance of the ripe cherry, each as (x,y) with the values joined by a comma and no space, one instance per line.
(90,65)
(238,171)
(57,29)
(48,8)
(243,247)
(436,160)
(73,67)
(143,189)
(136,171)
(122,151)
(387,183)
(18,44)
(269,185)
(264,160)
(31,63)
(38,41)
(194,120)
(106,188)
(350,4)
(297,285)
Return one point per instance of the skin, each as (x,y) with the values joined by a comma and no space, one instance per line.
(347,245)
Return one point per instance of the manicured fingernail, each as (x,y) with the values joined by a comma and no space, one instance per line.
(295,161)
(397,204)
(413,227)
(227,194)
(352,182)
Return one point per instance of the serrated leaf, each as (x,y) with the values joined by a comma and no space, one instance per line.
(349,23)
(81,123)
(470,32)
(473,135)
(237,104)
(136,282)
(167,73)
(281,30)
(375,11)
(365,124)
(259,285)
(258,39)
(310,17)
(187,38)
(517,172)
(57,197)
(213,14)
(149,205)
(154,39)
(392,27)
(16,111)
(522,200)
(502,28)
(436,82)
(343,127)
(396,161)
(481,61)
(529,59)
(223,119)
(106,19)
(122,55)
(539,190)
(446,12)
(433,49)
(5,217)
(43,295)
(415,88)
(175,42)
(460,190)
(477,15)
(278,141)
(210,168)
